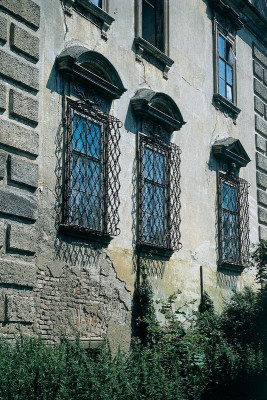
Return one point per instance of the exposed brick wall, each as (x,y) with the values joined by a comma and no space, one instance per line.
(260,105)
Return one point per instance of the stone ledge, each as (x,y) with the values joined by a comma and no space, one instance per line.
(24,42)
(23,106)
(18,204)
(18,137)
(26,10)
(18,70)
(17,273)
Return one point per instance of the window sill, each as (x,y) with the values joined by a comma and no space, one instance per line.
(85,233)
(231,267)
(94,14)
(147,249)
(225,105)
(150,53)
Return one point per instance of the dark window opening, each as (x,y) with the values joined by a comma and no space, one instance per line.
(153,22)
(159,193)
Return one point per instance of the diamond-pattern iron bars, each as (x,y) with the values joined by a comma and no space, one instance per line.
(233,220)
(92,169)
(159,193)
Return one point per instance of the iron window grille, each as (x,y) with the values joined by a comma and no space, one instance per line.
(92,168)
(159,193)
(233,220)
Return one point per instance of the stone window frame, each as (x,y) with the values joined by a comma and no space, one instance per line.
(144,49)
(98,16)
(220,101)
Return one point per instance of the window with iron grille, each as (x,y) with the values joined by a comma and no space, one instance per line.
(91,170)
(159,193)
(233,220)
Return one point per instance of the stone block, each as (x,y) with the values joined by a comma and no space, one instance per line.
(19,308)
(24,107)
(262,179)
(266,112)
(3,164)
(261,161)
(263,232)
(260,56)
(262,213)
(2,308)
(3,29)
(19,204)
(23,172)
(18,70)
(22,237)
(26,10)
(17,273)
(262,197)
(261,125)
(3,93)
(258,70)
(258,105)
(260,89)
(260,143)
(24,42)
(20,138)
(265,76)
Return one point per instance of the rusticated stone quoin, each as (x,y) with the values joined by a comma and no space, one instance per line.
(23,172)
(3,93)
(2,234)
(26,10)
(258,70)
(262,179)
(19,308)
(18,70)
(260,143)
(23,41)
(261,161)
(3,29)
(260,89)
(17,273)
(22,237)
(260,56)
(261,125)
(262,212)
(19,204)
(263,232)
(258,105)
(262,197)
(3,164)
(24,107)
(15,136)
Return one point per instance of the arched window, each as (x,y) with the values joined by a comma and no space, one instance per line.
(92,153)
(159,171)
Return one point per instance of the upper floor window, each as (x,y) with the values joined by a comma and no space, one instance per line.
(152,33)
(226,63)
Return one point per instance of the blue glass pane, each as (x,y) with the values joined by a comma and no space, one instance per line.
(78,174)
(221,46)
(148,163)
(94,139)
(94,178)
(79,133)
(159,196)
(159,168)
(229,92)
(93,212)
(229,74)
(228,197)
(148,193)
(222,87)
(98,3)
(221,68)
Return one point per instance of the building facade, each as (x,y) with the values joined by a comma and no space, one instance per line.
(132,137)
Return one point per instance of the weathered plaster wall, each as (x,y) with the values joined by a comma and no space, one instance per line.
(51,282)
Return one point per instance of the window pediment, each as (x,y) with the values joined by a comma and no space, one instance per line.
(231,150)
(159,108)
(92,68)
